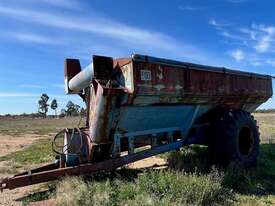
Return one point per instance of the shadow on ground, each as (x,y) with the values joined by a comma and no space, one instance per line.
(256,181)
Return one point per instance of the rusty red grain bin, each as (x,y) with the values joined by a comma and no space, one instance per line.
(149,87)
(165,104)
(185,83)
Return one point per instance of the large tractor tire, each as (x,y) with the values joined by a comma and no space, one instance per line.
(234,138)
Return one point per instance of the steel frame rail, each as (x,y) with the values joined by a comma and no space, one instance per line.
(34,177)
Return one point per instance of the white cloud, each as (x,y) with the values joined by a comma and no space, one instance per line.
(58,86)
(218,25)
(251,33)
(190,8)
(264,44)
(267,29)
(30,86)
(97,26)
(261,37)
(133,37)
(213,22)
(28,37)
(31,38)
(251,58)
(237,54)
(271,62)
(256,63)
(233,36)
(257,41)
(64,4)
(72,4)
(258,37)
(27,94)
(18,94)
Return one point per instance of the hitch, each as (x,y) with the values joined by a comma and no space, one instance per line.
(3,184)
(53,171)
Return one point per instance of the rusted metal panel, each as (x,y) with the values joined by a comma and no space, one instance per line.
(103,67)
(120,62)
(187,65)
(102,107)
(168,84)
(99,116)
(71,68)
(154,79)
(126,77)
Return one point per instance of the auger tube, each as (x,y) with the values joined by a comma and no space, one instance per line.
(82,79)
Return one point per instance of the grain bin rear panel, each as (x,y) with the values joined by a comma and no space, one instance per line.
(158,81)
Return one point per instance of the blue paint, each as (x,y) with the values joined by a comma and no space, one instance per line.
(139,118)
(72,160)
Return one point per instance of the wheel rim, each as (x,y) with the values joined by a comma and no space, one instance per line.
(246,141)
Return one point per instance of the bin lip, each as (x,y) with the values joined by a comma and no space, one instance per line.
(188,65)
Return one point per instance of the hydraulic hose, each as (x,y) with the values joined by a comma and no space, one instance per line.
(64,148)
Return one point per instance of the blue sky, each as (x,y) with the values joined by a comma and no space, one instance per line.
(36,37)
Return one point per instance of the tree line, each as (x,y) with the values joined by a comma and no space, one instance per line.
(265,110)
(70,110)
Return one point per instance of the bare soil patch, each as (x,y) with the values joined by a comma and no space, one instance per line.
(10,143)
(14,197)
(156,162)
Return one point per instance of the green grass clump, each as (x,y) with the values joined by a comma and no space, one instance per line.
(37,196)
(258,181)
(39,152)
(151,188)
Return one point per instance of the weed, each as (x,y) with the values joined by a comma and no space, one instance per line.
(41,194)
(153,188)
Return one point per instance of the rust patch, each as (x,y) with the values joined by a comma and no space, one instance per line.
(194,86)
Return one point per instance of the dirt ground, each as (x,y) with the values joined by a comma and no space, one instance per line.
(10,144)
(155,162)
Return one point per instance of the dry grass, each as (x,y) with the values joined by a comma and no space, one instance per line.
(20,126)
(164,187)
(266,126)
